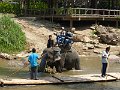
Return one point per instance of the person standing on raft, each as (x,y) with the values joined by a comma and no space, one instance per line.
(105,55)
(33,60)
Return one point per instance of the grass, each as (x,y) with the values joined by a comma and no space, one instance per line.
(12,39)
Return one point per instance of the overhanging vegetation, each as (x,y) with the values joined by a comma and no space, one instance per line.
(12,39)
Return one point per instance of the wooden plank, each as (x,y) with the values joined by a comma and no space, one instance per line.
(86,78)
(42,80)
(115,75)
(63,79)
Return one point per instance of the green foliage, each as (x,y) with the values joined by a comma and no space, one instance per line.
(38,5)
(12,39)
(7,7)
(70,11)
(94,32)
(59,11)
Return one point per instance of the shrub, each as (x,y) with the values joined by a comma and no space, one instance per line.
(7,7)
(12,39)
(38,5)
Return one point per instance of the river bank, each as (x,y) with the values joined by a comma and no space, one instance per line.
(86,43)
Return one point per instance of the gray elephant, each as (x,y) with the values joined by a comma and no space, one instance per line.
(67,59)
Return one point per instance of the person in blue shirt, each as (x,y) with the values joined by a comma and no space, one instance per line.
(68,39)
(33,60)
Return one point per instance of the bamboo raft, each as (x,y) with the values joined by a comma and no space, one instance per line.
(88,78)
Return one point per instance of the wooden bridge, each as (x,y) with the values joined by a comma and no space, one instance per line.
(75,14)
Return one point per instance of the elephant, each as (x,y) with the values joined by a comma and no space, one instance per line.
(67,59)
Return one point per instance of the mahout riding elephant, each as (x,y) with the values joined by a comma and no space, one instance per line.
(54,57)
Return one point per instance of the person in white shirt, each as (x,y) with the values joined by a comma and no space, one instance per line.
(105,55)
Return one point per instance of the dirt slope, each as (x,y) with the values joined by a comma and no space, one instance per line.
(36,33)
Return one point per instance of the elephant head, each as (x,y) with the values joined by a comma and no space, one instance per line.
(53,54)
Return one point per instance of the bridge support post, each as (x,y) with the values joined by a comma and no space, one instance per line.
(117,23)
(96,22)
(71,24)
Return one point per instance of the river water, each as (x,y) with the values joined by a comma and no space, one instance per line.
(89,65)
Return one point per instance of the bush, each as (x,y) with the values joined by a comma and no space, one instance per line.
(38,5)
(12,39)
(59,11)
(7,7)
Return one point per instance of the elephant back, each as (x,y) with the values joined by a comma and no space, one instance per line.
(72,53)
(72,59)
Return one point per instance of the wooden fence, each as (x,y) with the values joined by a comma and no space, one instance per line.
(73,12)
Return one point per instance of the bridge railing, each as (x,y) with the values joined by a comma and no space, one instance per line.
(74,12)
(94,12)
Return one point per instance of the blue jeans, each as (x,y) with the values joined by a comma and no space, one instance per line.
(104,67)
(33,72)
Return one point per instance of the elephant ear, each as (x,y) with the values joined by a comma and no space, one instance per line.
(56,53)
(50,53)
(46,50)
(53,54)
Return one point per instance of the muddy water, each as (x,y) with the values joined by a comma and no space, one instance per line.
(89,65)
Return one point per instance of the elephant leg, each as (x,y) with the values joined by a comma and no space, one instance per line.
(69,68)
(50,64)
(58,66)
(77,64)
(42,65)
(69,64)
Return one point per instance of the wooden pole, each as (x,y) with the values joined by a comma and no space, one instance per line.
(96,23)
(71,24)
(117,23)
(109,4)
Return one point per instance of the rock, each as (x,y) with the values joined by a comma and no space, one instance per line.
(110,38)
(22,55)
(81,38)
(77,38)
(94,42)
(112,30)
(94,36)
(5,56)
(90,46)
(72,30)
(97,46)
(108,35)
(85,48)
(93,27)
(96,51)
(42,25)
(101,30)
(86,39)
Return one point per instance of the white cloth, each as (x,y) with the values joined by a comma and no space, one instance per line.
(105,56)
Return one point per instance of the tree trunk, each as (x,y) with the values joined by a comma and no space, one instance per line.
(93,3)
(28,4)
(109,4)
(112,4)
